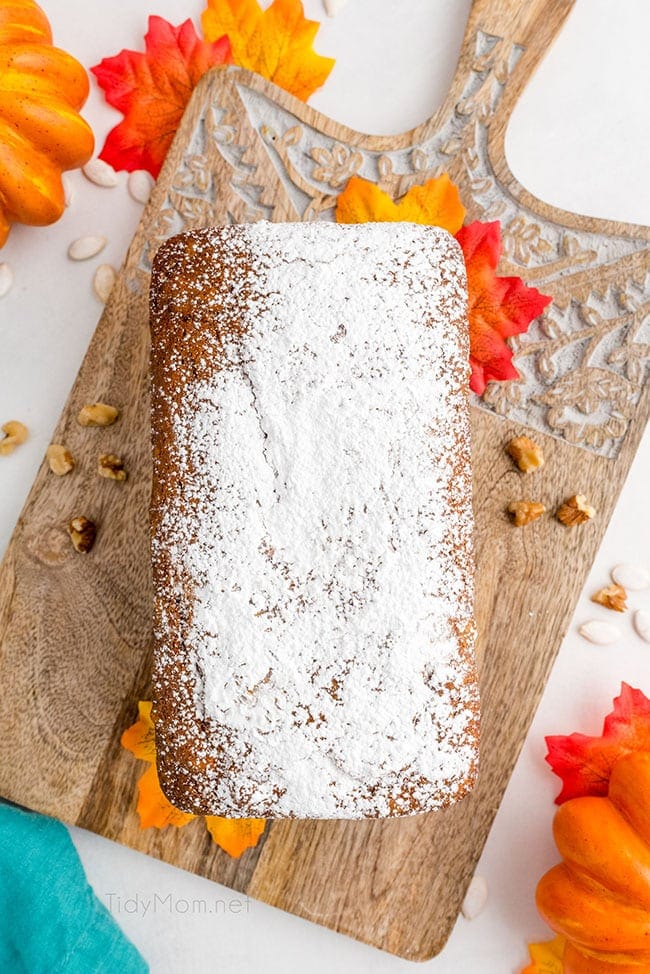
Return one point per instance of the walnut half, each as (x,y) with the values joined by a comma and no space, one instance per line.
(82,533)
(97,414)
(612,597)
(524,512)
(575,510)
(112,467)
(15,433)
(60,459)
(526,453)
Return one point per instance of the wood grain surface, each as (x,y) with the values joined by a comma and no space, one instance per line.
(75,630)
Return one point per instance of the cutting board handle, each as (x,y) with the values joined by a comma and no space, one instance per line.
(531,23)
(523,32)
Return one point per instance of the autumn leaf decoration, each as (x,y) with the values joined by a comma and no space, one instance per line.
(152,89)
(499,307)
(584,763)
(436,203)
(234,836)
(276,42)
(546,958)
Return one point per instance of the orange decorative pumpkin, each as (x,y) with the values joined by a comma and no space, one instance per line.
(41,132)
(599,897)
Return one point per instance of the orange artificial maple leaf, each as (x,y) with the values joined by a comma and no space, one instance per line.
(436,203)
(154,808)
(585,763)
(140,738)
(546,958)
(276,42)
(233,835)
(498,307)
(151,89)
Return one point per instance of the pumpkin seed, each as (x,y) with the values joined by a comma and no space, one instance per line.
(632,577)
(475,898)
(139,185)
(100,173)
(103,281)
(6,279)
(86,247)
(333,7)
(599,632)
(642,624)
(68,191)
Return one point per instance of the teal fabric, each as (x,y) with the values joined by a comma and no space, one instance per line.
(51,922)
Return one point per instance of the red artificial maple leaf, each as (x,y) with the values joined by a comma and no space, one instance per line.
(151,89)
(499,307)
(585,763)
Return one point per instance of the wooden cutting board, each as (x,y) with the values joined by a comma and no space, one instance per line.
(75,631)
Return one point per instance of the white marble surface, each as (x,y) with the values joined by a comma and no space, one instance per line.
(579,138)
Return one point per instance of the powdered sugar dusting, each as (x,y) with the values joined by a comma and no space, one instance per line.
(323,532)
